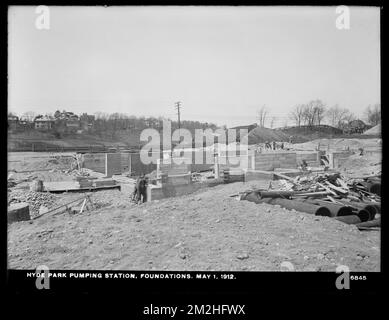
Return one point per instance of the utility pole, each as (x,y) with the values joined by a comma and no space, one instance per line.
(178,106)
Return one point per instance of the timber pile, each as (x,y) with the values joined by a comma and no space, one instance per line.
(352,201)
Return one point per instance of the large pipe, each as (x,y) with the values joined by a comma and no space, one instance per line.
(252,196)
(335,209)
(286,194)
(289,204)
(302,206)
(364,215)
(377,205)
(275,194)
(362,206)
(353,219)
(369,224)
(373,187)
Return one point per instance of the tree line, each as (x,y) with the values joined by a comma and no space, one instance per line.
(315,112)
(117,123)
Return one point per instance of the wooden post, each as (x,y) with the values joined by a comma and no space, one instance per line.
(83,205)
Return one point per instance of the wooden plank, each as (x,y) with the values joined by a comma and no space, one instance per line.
(83,206)
(327,189)
(285,177)
(336,188)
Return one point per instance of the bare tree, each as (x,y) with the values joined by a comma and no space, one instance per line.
(261,116)
(349,116)
(29,116)
(319,110)
(272,119)
(336,116)
(297,114)
(309,114)
(373,114)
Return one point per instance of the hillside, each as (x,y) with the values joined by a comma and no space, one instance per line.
(262,135)
(41,141)
(374,131)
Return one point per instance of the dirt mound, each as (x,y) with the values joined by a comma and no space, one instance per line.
(261,135)
(357,165)
(374,130)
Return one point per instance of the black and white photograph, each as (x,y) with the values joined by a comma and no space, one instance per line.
(194,139)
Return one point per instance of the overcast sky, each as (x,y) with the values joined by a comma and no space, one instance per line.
(222,63)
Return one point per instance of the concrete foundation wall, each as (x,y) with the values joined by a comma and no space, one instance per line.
(167,191)
(270,160)
(113,164)
(312,158)
(94,161)
(136,167)
(169,167)
(336,159)
(125,161)
(250,175)
(118,163)
(201,167)
(182,179)
(18,212)
(242,162)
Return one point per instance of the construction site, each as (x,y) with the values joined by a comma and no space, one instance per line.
(194,138)
(315,204)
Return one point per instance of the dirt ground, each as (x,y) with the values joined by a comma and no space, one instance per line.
(339,144)
(207,230)
(204,231)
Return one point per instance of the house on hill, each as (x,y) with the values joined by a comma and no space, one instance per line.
(355,126)
(13,122)
(43,123)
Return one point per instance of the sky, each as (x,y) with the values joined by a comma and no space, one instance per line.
(222,63)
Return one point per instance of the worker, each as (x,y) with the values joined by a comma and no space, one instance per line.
(274,145)
(134,195)
(141,189)
(282,145)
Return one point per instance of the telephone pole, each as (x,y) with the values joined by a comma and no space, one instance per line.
(178,106)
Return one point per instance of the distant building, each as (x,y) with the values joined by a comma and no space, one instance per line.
(355,126)
(73,123)
(13,122)
(43,123)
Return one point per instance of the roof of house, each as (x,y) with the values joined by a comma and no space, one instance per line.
(44,119)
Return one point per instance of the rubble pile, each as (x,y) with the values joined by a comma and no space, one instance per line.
(350,200)
(36,200)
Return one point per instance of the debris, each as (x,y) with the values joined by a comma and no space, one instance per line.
(351,201)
